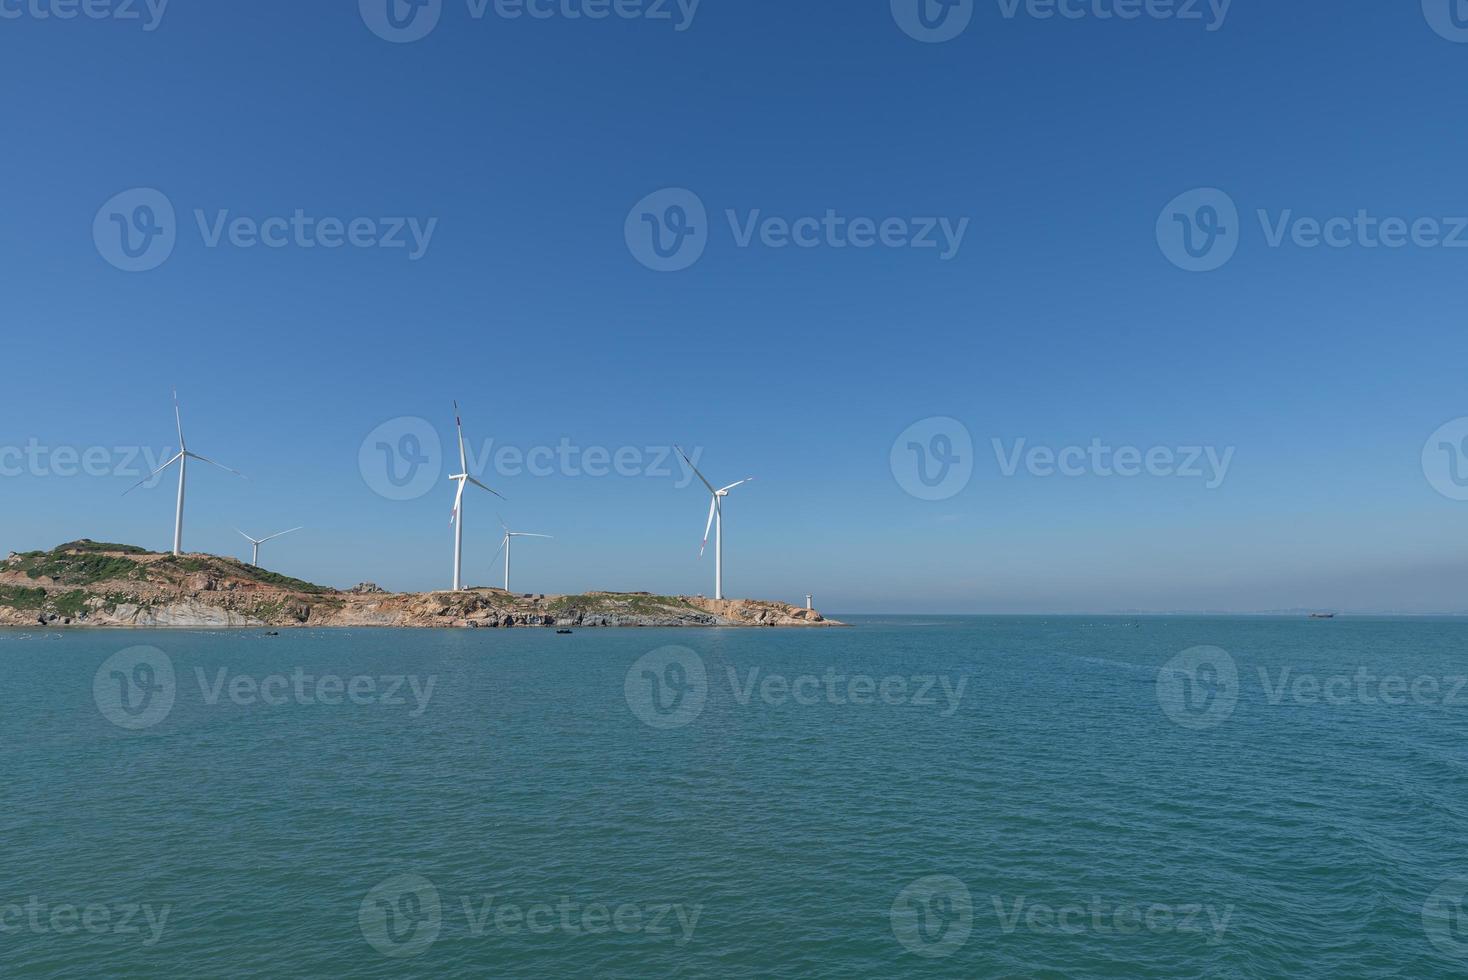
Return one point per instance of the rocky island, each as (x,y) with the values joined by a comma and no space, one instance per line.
(93,584)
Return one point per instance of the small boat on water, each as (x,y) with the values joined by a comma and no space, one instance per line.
(564,632)
(1322,615)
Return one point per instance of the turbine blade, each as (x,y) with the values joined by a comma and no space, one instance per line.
(483,487)
(246,536)
(278,535)
(206,459)
(712,504)
(694,468)
(503,541)
(178,421)
(151,475)
(526,534)
(459,424)
(458,500)
(747,479)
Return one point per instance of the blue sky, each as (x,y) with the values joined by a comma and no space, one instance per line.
(1054,143)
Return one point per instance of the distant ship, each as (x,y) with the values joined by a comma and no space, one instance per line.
(1322,615)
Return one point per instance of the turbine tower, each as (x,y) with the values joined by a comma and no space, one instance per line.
(505,546)
(182,459)
(257,542)
(716,514)
(457,518)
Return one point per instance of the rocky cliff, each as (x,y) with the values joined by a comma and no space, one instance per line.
(92,584)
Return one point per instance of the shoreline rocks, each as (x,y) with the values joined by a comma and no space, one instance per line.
(85,584)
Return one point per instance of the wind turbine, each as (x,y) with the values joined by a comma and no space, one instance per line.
(182,459)
(505,546)
(257,542)
(457,518)
(716,513)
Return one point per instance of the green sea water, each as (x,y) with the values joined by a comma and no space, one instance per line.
(965,797)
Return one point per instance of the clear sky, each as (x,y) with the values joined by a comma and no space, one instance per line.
(1054,307)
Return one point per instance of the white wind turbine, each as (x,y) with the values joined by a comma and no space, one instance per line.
(457,518)
(182,459)
(716,514)
(505,546)
(257,542)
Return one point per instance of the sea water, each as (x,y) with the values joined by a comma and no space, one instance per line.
(1025,796)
